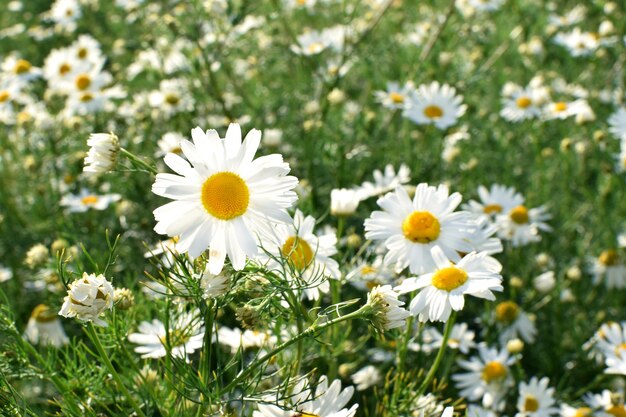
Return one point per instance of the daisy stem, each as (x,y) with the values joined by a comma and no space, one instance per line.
(311,331)
(401,359)
(91,332)
(135,160)
(207,345)
(439,357)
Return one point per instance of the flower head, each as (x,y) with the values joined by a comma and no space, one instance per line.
(103,151)
(387,309)
(88,298)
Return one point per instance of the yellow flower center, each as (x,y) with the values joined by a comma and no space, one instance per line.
(82,53)
(617,411)
(421,227)
(397,98)
(493,371)
(507,312)
(448,279)
(620,348)
(69,12)
(367,269)
(492,208)
(531,404)
(86,97)
(608,257)
(22,66)
(83,81)
(225,195)
(523,102)
(519,215)
(314,47)
(301,2)
(298,251)
(64,69)
(90,199)
(560,106)
(306,414)
(172,99)
(177,337)
(582,412)
(370,285)
(433,112)
(4,96)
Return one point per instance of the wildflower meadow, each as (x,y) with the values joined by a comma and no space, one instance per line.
(313,208)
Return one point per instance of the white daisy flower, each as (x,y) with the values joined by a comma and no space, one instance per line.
(576,15)
(86,200)
(488,378)
(213,285)
(536,399)
(19,70)
(409,229)
(483,240)
(311,43)
(102,154)
(5,274)
(223,196)
(87,299)
(569,411)
(395,97)
(443,290)
(170,143)
(564,109)
(366,275)
(617,123)
(58,68)
(344,202)
(387,309)
(522,105)
(521,225)
(577,42)
(172,97)
(495,200)
(366,377)
(65,13)
(235,339)
(327,401)
(460,338)
(514,323)
(308,255)
(610,269)
(186,335)
(616,363)
(44,328)
(606,404)
(386,181)
(435,104)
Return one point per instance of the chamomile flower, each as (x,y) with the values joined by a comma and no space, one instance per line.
(443,290)
(45,328)
(223,196)
(610,269)
(103,152)
(344,201)
(495,200)
(185,335)
(327,401)
(488,377)
(577,42)
(483,240)
(311,43)
(86,200)
(308,255)
(514,323)
(366,377)
(536,399)
(386,181)
(396,97)
(606,404)
(522,105)
(88,298)
(409,229)
(564,109)
(369,274)
(461,338)
(65,13)
(19,70)
(387,309)
(170,143)
(172,97)
(522,225)
(435,104)
(569,411)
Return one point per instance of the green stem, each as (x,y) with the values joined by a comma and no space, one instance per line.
(91,331)
(135,160)
(207,345)
(310,331)
(442,349)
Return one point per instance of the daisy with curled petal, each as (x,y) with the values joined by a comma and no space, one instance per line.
(223,196)
(435,104)
(409,229)
(308,255)
(536,399)
(488,376)
(443,290)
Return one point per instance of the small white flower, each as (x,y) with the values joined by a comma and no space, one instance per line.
(366,377)
(213,285)
(344,202)
(102,155)
(44,328)
(88,298)
(86,200)
(545,282)
(536,399)
(385,181)
(435,104)
(387,313)
(5,274)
